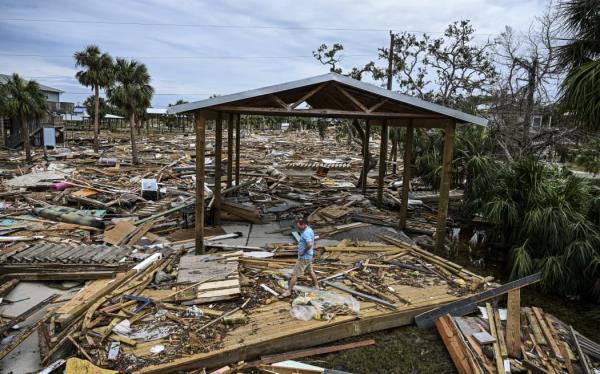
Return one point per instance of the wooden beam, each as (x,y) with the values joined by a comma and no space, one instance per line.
(382,162)
(349,96)
(440,232)
(408,155)
(461,357)
(230,150)
(218,170)
(277,100)
(377,106)
(513,324)
(307,96)
(323,112)
(237,149)
(365,157)
(200,145)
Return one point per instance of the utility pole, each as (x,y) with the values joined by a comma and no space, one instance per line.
(389,87)
(390,62)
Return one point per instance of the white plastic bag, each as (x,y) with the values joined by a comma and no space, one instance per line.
(322,305)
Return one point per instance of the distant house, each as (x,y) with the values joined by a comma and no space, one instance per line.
(10,134)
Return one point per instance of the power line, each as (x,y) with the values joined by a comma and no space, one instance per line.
(221,26)
(181,57)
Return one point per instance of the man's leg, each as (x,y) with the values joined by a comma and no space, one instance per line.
(313,276)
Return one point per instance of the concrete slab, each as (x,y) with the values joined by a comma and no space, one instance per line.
(26,357)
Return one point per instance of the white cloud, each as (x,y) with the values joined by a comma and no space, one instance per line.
(194,79)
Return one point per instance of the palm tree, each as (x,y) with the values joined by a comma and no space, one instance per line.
(581,57)
(24,100)
(91,104)
(131,92)
(97,74)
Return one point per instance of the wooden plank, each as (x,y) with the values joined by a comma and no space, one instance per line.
(325,333)
(85,293)
(492,326)
(119,233)
(500,332)
(513,324)
(309,352)
(468,304)
(480,355)
(458,353)
(535,327)
(564,349)
(539,314)
(219,285)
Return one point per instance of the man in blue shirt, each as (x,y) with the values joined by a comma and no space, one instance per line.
(305,256)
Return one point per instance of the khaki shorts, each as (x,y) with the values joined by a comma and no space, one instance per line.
(302,266)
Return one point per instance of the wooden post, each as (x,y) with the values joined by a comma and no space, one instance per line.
(382,162)
(229,150)
(408,155)
(218,171)
(513,324)
(440,232)
(365,157)
(237,149)
(200,144)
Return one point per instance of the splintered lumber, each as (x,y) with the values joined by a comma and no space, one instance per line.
(463,361)
(79,366)
(468,304)
(535,327)
(564,349)
(361,295)
(539,314)
(500,332)
(513,324)
(496,345)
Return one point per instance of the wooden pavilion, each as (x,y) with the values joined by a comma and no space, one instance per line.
(333,96)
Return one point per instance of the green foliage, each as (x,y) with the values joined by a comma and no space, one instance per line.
(90,106)
(581,93)
(581,56)
(25,101)
(131,90)
(543,214)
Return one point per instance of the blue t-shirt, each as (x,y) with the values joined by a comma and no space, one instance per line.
(307,236)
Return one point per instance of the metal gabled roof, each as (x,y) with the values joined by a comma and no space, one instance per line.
(332,77)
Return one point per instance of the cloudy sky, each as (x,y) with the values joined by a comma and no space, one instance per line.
(197,48)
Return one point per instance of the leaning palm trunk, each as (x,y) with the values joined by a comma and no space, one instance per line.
(25,133)
(134,157)
(96,120)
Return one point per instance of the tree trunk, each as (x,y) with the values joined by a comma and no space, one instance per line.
(531,85)
(25,134)
(96,119)
(134,156)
